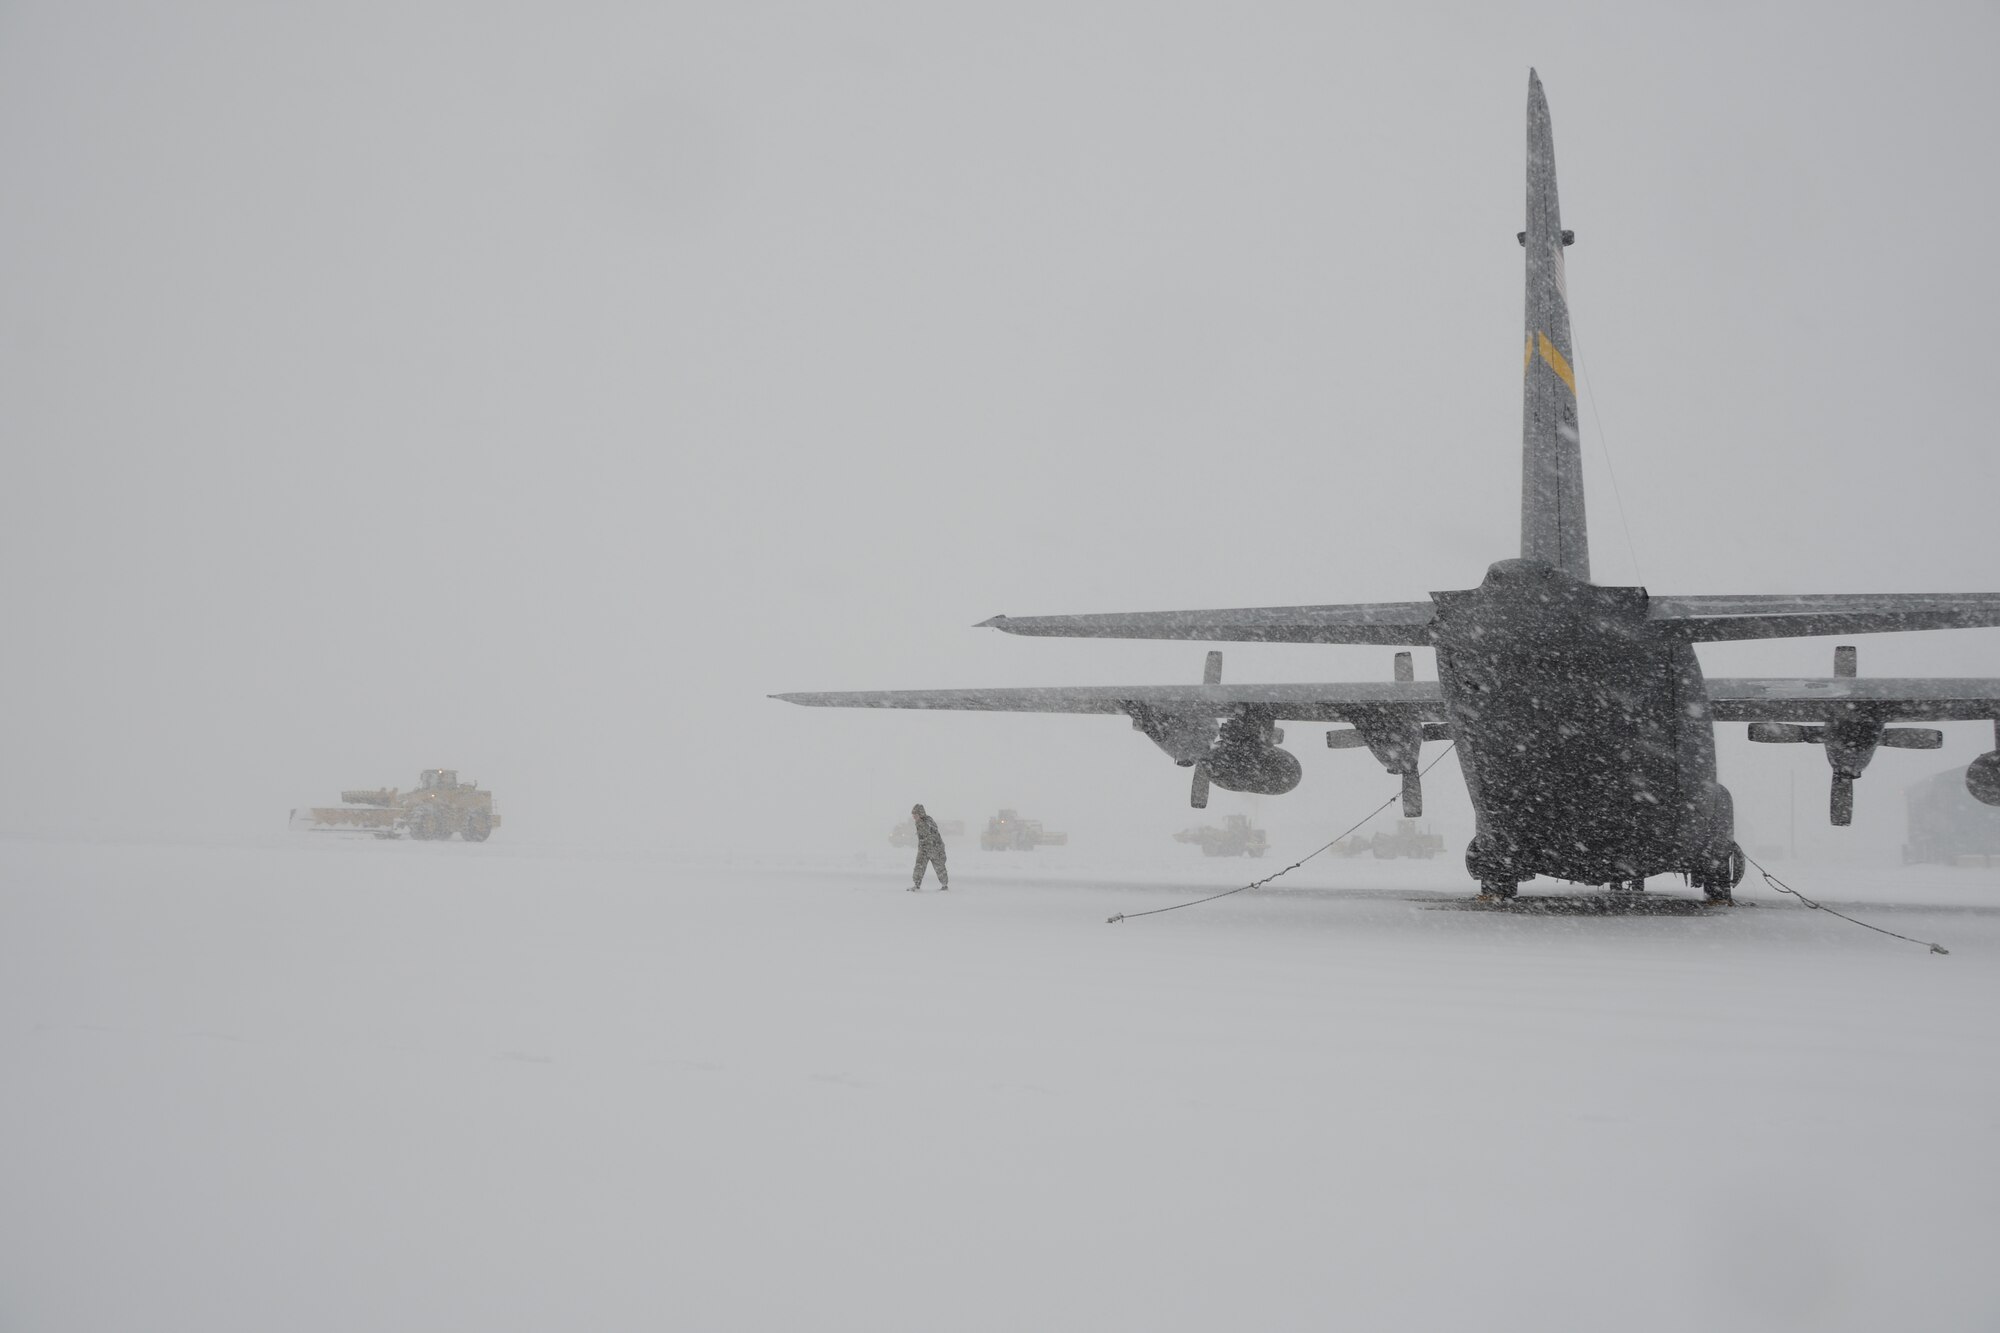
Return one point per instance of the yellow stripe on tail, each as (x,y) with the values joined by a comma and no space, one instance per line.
(1557,363)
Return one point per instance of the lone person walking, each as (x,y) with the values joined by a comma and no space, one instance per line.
(930,849)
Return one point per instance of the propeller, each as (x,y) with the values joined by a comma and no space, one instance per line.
(1211,674)
(1396,747)
(1840,805)
(1413,782)
(1850,740)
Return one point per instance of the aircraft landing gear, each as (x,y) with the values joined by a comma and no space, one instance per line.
(1498,874)
(1718,879)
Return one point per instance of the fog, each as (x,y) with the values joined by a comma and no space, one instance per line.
(533,390)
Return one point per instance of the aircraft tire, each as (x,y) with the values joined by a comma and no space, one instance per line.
(1718,879)
(426,825)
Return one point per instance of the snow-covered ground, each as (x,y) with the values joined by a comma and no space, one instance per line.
(322,1084)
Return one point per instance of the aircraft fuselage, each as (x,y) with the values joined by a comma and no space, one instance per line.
(1583,733)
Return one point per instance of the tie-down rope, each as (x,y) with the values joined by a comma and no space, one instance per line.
(1783,887)
(1769,878)
(1113,920)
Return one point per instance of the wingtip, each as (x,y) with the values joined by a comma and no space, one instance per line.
(992,622)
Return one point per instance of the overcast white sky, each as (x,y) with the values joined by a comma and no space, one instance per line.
(533,389)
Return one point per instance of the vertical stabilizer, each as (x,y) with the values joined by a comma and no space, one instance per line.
(1552,524)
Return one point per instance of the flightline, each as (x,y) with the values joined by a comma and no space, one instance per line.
(1120,916)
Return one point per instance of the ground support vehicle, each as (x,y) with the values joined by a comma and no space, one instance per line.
(1406,840)
(1948,825)
(1236,837)
(1008,832)
(437,807)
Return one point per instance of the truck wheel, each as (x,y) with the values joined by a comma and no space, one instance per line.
(426,825)
(476,829)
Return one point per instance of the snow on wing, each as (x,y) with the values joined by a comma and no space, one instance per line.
(1910,699)
(1402,623)
(1419,701)
(1757,616)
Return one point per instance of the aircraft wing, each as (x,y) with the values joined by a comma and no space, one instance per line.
(1690,619)
(1367,622)
(1756,616)
(1913,699)
(1415,701)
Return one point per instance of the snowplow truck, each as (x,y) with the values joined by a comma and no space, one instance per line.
(1236,837)
(1407,840)
(437,807)
(1008,832)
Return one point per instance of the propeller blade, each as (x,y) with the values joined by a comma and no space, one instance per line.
(1406,670)
(1843,800)
(1413,795)
(1211,670)
(1198,793)
(1845,660)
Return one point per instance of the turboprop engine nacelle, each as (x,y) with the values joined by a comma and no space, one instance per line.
(1240,754)
(1982,776)
(1396,745)
(1850,740)
(1246,758)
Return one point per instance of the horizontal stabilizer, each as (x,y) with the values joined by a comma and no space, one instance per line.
(1373,622)
(1713,619)
(1422,701)
(1915,699)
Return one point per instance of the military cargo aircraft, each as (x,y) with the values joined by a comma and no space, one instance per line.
(1579,712)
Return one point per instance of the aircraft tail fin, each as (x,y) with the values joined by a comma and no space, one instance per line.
(1553,531)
